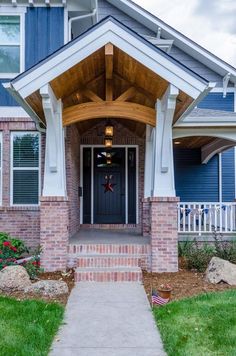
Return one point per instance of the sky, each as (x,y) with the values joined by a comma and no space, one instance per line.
(210,23)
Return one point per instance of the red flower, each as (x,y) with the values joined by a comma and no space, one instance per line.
(34,263)
(6,243)
(13,248)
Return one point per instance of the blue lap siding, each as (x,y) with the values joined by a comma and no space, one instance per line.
(200,182)
(195,181)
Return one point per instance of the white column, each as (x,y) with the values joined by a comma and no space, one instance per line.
(55,170)
(148,173)
(163,183)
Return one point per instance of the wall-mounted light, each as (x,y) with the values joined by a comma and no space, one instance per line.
(108,142)
(109,130)
(177,142)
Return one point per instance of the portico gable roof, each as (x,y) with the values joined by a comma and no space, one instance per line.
(161,67)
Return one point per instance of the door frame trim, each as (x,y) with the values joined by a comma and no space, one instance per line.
(126,180)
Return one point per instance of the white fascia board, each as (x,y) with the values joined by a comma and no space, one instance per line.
(119,37)
(228,133)
(25,106)
(13,111)
(181,41)
(207,123)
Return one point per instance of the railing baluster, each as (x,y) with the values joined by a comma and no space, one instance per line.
(205,217)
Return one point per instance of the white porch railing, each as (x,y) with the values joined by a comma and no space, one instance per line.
(204,218)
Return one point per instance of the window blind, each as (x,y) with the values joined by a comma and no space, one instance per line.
(25,167)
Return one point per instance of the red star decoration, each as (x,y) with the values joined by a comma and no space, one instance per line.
(108,186)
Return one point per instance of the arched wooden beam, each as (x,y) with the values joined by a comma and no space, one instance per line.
(111,109)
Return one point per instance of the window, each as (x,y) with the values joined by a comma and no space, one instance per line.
(0,168)
(11,51)
(25,162)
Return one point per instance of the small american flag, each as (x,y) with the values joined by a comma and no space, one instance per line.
(156,299)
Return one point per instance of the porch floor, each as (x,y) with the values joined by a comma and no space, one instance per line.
(104,236)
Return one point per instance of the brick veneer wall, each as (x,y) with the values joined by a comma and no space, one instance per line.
(73,177)
(164,234)
(54,233)
(22,222)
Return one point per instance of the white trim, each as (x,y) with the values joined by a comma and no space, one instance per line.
(22,133)
(92,184)
(13,111)
(220,90)
(126,187)
(81,184)
(21,43)
(181,41)
(220,177)
(126,180)
(30,3)
(228,133)
(127,42)
(66,24)
(1,161)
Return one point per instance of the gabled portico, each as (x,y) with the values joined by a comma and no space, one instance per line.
(110,72)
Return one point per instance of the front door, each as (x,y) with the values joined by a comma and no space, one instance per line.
(109,186)
(109,190)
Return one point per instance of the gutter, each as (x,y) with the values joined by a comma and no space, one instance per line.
(80,17)
(38,122)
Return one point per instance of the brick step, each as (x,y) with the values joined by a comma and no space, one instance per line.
(117,249)
(108,260)
(116,274)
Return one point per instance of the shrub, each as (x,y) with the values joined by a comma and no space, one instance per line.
(33,266)
(8,254)
(18,244)
(225,249)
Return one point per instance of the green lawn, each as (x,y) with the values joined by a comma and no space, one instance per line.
(200,326)
(28,327)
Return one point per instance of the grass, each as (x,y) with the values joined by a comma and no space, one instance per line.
(200,326)
(28,327)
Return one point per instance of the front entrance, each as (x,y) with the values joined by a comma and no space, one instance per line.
(109,185)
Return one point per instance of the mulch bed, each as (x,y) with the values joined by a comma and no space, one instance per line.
(67,277)
(184,283)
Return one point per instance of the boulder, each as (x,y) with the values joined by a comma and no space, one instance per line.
(14,278)
(220,270)
(48,288)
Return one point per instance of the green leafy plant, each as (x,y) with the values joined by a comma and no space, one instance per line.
(8,254)
(18,244)
(32,266)
(225,249)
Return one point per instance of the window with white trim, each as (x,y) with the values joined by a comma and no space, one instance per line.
(25,164)
(0,168)
(11,58)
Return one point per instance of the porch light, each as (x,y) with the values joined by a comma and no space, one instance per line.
(109,130)
(108,161)
(177,142)
(108,142)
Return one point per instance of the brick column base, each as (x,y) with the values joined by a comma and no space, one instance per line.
(164,234)
(145,217)
(54,233)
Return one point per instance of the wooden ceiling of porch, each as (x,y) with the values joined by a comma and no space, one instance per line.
(193,142)
(110,76)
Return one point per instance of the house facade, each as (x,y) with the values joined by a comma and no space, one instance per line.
(111,119)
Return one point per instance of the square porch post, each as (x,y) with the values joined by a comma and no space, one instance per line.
(163,200)
(54,211)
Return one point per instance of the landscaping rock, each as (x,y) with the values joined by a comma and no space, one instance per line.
(14,278)
(48,288)
(221,271)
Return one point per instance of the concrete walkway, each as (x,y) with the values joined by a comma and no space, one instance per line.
(108,319)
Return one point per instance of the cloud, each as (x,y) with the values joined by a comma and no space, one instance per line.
(211,23)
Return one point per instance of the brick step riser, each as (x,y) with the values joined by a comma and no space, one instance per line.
(108,276)
(109,249)
(108,261)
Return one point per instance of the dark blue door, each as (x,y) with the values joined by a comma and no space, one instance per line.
(109,186)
